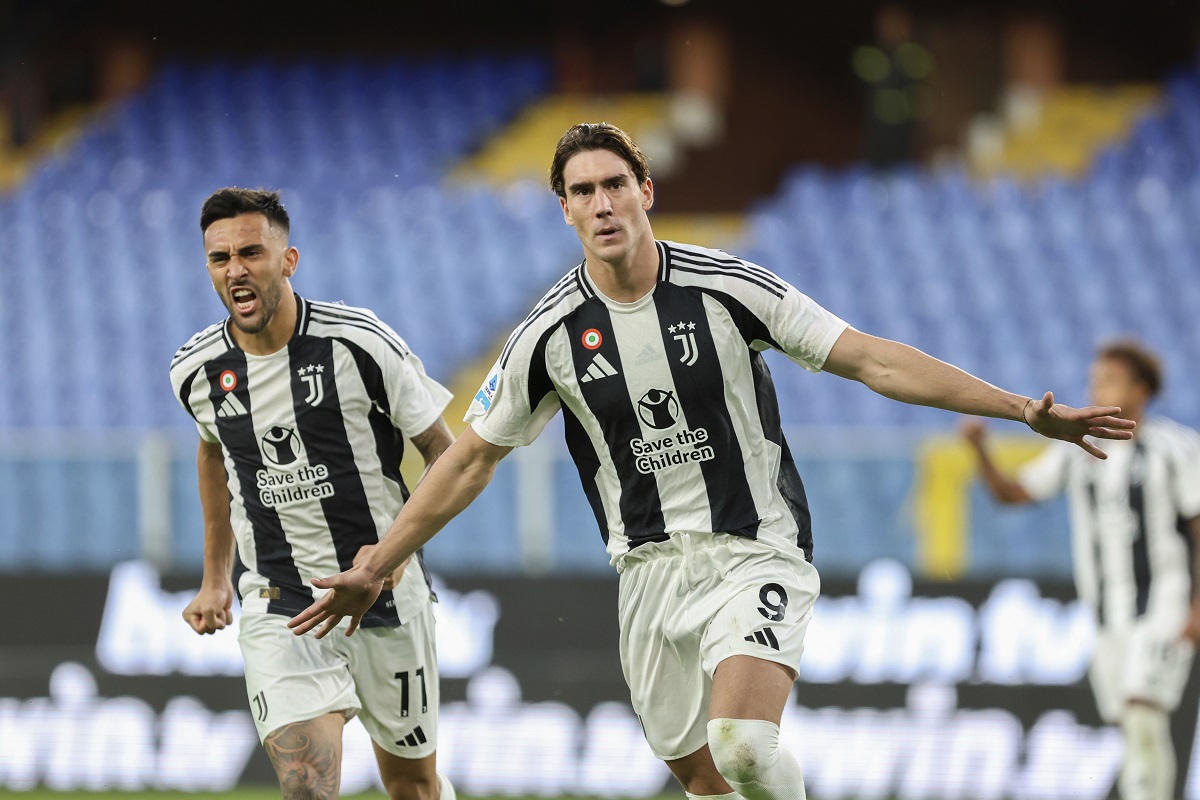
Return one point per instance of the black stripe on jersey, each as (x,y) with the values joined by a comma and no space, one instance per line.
(201,340)
(322,430)
(700,384)
(302,311)
(185,392)
(664,263)
(748,324)
(789,483)
(340,312)
(568,285)
(1141,546)
(362,322)
(582,282)
(227,336)
(698,257)
(640,504)
(714,270)
(1097,554)
(583,453)
(389,442)
(731,267)
(236,431)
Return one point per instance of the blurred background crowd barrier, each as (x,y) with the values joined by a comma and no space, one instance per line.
(1003,185)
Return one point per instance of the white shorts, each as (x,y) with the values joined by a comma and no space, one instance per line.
(688,604)
(386,676)
(1144,662)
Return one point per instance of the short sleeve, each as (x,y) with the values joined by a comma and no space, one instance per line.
(416,400)
(207,433)
(1046,475)
(510,410)
(1186,474)
(803,329)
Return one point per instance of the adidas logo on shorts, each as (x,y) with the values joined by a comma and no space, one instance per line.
(764,637)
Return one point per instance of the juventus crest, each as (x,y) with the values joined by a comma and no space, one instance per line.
(311,375)
(686,336)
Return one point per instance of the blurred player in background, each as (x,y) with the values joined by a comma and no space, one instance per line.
(302,409)
(653,352)
(1135,521)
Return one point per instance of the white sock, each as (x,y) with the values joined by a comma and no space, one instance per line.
(1149,769)
(748,755)
(730,796)
(445,788)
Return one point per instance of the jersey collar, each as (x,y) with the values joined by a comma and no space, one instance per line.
(589,290)
(300,330)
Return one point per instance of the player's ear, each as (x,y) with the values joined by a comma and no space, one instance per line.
(647,194)
(562,201)
(291,257)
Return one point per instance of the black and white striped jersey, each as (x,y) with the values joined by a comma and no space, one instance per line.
(1129,513)
(312,436)
(670,410)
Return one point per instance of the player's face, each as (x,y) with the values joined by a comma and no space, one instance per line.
(605,204)
(1113,384)
(249,263)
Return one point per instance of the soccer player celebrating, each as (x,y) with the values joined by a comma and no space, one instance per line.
(653,352)
(1134,519)
(302,409)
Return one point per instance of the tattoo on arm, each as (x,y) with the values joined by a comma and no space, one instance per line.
(308,764)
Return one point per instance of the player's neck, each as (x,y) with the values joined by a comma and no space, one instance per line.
(1137,414)
(631,277)
(278,332)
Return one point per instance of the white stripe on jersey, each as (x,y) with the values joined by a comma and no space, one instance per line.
(312,445)
(1113,537)
(664,397)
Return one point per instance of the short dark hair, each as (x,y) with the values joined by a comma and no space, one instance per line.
(1142,362)
(596,136)
(233,202)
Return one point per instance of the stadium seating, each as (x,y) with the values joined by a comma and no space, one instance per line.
(104,279)
(1016,282)
(104,240)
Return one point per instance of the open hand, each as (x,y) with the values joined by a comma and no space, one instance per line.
(1057,421)
(350,594)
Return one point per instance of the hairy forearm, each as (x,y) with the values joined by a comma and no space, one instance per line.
(450,484)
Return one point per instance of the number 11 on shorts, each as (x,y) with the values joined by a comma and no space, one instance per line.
(404,693)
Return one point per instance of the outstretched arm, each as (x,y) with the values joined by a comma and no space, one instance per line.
(212,607)
(906,374)
(430,443)
(1002,487)
(449,486)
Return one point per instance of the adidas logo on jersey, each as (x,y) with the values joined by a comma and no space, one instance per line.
(648,355)
(231,407)
(599,368)
(764,637)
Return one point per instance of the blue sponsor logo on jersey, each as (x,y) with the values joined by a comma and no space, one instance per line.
(488,391)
